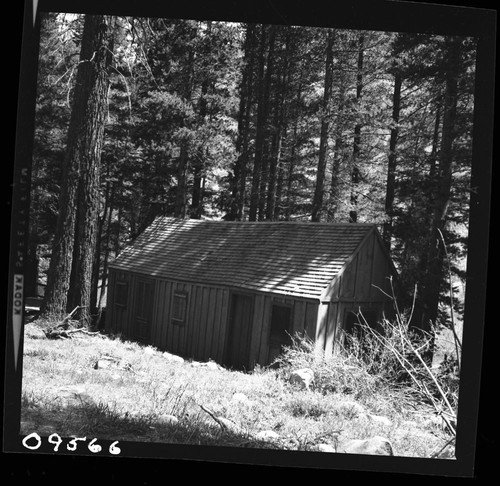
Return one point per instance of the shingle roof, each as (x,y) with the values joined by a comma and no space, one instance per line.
(291,258)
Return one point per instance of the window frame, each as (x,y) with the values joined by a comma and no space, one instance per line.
(121,296)
(182,305)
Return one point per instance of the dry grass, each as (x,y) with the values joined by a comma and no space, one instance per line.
(134,391)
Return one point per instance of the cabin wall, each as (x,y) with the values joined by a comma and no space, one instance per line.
(118,312)
(365,277)
(201,334)
(303,315)
(362,286)
(204,333)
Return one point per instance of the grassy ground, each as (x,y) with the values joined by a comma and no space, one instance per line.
(102,386)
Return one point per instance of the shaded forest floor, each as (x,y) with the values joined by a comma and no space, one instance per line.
(101,386)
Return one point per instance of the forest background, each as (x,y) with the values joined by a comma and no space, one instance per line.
(243,121)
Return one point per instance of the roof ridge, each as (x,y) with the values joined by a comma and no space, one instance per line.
(221,221)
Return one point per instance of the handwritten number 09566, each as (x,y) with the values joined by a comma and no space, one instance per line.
(71,446)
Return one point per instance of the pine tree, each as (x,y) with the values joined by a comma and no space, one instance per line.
(77,210)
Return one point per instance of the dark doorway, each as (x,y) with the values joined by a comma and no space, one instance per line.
(281,315)
(240,330)
(143,310)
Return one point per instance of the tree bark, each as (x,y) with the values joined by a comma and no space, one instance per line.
(355,173)
(428,313)
(317,204)
(183,160)
(238,183)
(265,71)
(391,169)
(80,182)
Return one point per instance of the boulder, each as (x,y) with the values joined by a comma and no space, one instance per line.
(168,419)
(324,448)
(303,377)
(373,446)
(267,435)
(173,357)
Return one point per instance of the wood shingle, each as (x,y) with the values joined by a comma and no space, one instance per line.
(291,258)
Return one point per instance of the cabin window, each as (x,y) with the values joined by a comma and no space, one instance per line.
(121,294)
(179,307)
(280,324)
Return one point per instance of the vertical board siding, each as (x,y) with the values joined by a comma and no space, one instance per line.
(255,339)
(266,330)
(380,273)
(207,344)
(195,316)
(188,288)
(214,348)
(331,327)
(299,317)
(365,270)
(187,327)
(223,329)
(322,325)
(310,323)
(348,280)
(202,324)
(130,309)
(110,323)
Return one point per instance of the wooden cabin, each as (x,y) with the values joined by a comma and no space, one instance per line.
(234,292)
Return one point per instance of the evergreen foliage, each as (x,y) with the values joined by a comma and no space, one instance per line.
(208,119)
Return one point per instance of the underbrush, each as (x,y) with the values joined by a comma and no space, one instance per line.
(389,361)
(104,386)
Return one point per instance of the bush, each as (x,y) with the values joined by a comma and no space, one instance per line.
(389,358)
(342,372)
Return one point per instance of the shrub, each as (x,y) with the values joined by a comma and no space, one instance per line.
(343,372)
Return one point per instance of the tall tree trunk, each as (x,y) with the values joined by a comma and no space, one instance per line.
(265,71)
(391,169)
(353,214)
(181,194)
(107,250)
(199,159)
(317,204)
(96,273)
(428,312)
(238,182)
(337,155)
(180,210)
(280,122)
(88,192)
(80,182)
(291,168)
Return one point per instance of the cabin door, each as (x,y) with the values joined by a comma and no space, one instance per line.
(281,322)
(143,310)
(240,330)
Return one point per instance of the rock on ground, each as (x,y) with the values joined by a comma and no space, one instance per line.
(303,377)
(267,435)
(325,448)
(168,419)
(374,446)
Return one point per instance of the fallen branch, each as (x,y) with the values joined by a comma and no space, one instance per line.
(61,330)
